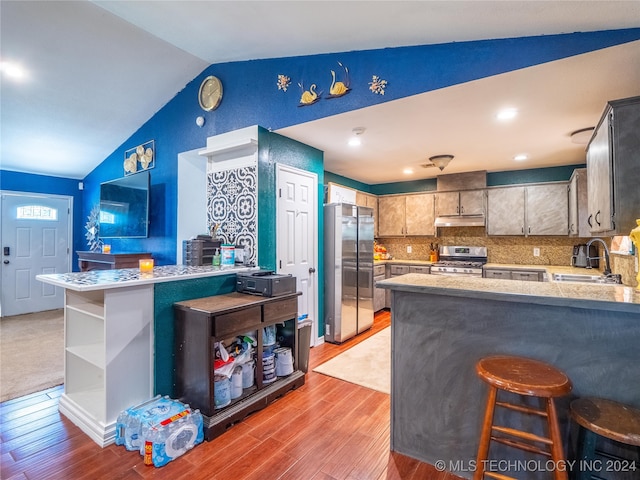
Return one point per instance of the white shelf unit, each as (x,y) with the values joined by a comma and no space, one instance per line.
(108,356)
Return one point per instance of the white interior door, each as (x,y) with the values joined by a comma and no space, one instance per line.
(296,238)
(36,236)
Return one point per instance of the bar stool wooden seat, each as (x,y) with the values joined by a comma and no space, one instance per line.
(609,419)
(523,376)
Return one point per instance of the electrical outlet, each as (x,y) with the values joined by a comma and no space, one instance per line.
(409,249)
(536,252)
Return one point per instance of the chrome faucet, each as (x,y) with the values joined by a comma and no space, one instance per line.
(607,267)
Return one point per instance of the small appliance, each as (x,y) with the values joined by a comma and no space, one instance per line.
(266,283)
(584,256)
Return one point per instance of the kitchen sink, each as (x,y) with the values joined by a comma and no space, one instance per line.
(576,277)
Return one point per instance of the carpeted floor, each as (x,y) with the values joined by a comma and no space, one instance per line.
(367,364)
(31,353)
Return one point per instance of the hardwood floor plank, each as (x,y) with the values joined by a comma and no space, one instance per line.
(325,430)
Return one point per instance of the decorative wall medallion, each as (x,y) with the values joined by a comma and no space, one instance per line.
(92,228)
(141,157)
(283,82)
(232,202)
(377,85)
(338,89)
(309,97)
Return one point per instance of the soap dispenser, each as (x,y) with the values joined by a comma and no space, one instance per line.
(216,258)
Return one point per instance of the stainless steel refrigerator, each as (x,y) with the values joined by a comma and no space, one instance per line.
(348,258)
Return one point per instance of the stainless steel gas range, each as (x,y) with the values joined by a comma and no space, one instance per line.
(460,261)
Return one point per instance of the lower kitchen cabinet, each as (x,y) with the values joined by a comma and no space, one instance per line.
(379,273)
(514,274)
(200,324)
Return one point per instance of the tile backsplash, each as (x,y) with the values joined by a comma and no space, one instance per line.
(500,249)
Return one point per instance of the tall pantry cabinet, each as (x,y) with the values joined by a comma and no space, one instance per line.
(613,173)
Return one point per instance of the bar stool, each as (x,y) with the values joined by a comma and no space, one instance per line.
(613,420)
(523,376)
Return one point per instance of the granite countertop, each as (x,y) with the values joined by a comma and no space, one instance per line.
(104,279)
(592,296)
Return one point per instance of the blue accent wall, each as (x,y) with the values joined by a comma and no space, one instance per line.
(251,97)
(44,184)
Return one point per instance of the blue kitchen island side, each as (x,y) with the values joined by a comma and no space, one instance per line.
(441,326)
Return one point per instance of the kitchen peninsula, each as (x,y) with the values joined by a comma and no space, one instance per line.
(119,333)
(442,325)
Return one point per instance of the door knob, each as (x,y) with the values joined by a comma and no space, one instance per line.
(6,262)
(312,270)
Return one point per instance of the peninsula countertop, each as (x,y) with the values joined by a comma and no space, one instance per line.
(105,279)
(592,296)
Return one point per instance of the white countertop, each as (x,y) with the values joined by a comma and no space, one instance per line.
(104,279)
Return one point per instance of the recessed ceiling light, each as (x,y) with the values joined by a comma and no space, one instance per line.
(408,171)
(355,140)
(520,157)
(507,114)
(13,70)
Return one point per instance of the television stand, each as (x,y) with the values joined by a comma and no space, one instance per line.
(88,261)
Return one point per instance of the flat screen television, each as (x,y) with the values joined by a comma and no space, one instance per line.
(124,207)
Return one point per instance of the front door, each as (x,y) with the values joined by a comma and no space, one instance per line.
(36,234)
(297,236)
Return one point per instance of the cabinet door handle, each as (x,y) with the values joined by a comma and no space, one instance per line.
(458,209)
(589,220)
(529,228)
(596,218)
(461,208)
(522,229)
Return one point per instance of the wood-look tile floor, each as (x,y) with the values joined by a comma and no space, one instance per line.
(327,429)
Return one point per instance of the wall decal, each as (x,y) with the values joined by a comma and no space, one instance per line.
(92,228)
(377,85)
(309,97)
(142,156)
(338,89)
(283,82)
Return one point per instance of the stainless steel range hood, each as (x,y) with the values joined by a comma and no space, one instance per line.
(461,221)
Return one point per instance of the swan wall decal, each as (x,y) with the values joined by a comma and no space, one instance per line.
(309,97)
(339,89)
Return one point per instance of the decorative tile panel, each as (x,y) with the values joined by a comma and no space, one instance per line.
(232,203)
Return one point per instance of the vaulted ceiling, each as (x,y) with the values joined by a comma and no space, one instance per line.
(83,95)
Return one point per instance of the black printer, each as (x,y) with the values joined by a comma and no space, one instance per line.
(266,283)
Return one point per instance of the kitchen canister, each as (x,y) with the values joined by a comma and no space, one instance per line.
(236,383)
(221,391)
(268,367)
(284,361)
(247,374)
(228,255)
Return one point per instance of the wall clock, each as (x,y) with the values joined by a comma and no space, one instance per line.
(210,94)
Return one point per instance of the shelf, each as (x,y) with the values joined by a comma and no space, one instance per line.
(89,302)
(241,148)
(92,353)
(91,312)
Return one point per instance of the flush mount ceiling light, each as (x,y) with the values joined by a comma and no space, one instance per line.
(582,136)
(441,161)
(355,140)
(507,114)
(407,171)
(520,157)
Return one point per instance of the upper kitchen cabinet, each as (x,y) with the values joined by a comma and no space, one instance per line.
(613,176)
(406,215)
(528,210)
(464,207)
(578,208)
(468,202)
(371,201)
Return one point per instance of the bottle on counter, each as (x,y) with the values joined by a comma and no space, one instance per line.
(216,258)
